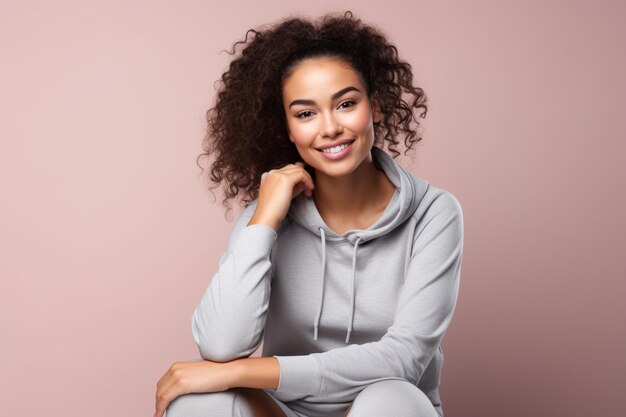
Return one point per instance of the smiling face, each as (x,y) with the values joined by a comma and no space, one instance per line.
(329,115)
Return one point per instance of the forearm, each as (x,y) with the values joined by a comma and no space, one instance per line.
(235,304)
(255,372)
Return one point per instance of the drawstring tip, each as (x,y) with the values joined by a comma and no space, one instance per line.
(315,333)
(348,335)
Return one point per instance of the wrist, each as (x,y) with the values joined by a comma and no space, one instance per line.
(254,372)
(259,219)
(235,373)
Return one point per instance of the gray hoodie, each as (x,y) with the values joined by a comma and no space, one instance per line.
(340,312)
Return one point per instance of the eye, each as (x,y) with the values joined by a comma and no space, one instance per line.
(349,103)
(303,114)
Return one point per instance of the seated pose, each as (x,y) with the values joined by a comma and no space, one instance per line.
(342,263)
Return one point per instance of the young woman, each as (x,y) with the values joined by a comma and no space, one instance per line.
(342,262)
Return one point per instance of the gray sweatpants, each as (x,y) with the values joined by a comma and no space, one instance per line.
(388,398)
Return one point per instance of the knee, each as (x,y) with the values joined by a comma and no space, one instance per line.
(202,405)
(393,397)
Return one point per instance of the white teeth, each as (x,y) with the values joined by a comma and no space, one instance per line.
(336,149)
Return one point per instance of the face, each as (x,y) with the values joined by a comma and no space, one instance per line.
(329,115)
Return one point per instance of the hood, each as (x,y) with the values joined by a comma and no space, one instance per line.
(406,198)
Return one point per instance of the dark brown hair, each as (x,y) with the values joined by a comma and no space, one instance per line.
(247,129)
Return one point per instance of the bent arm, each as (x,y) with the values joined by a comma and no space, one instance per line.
(425,308)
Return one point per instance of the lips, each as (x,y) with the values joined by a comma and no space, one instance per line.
(340,142)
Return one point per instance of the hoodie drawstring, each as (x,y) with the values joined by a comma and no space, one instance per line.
(319,313)
(352,304)
(356,245)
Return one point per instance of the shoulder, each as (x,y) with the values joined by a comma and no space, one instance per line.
(439,222)
(439,214)
(437,201)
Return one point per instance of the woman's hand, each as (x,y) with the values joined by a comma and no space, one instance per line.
(189,377)
(278,187)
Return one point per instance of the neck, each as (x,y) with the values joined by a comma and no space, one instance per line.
(352,194)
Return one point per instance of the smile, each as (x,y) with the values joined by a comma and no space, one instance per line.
(335,149)
(336,152)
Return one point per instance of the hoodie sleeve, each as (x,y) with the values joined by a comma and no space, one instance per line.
(424,311)
(228,321)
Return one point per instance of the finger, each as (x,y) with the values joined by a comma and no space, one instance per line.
(302,175)
(163,400)
(305,185)
(300,187)
(299,173)
(158,413)
(298,166)
(308,180)
(169,387)
(160,408)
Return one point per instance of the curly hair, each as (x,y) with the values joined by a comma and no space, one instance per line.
(247,130)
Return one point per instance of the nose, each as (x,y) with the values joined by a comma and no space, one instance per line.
(329,126)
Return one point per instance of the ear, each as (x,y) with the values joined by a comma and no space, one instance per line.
(376,113)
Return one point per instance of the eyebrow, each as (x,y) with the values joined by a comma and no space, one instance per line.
(334,96)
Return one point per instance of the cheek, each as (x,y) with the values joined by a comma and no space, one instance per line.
(303,133)
(358,121)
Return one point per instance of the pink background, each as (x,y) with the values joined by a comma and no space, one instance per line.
(108,238)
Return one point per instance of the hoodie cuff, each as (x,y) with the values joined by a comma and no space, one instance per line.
(299,375)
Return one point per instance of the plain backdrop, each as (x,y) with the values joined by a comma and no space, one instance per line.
(108,236)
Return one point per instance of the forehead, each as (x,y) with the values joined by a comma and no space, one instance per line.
(320,76)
